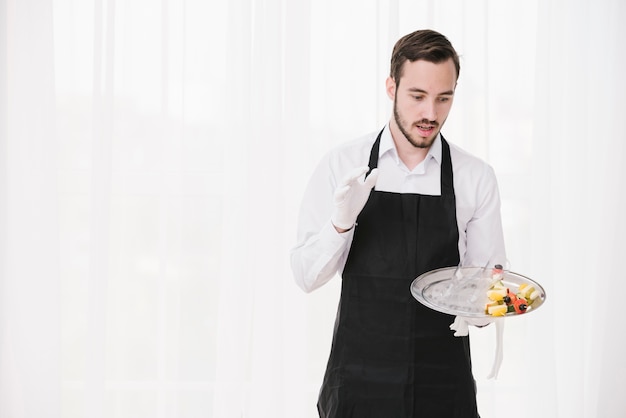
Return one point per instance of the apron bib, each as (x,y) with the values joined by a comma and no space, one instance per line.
(392,357)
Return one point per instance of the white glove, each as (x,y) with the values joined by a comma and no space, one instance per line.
(351,195)
(461,324)
(497,361)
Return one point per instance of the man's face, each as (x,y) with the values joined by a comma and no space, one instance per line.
(422,100)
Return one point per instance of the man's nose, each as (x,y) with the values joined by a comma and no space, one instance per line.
(429,110)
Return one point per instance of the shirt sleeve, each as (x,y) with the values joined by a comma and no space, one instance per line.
(484,234)
(320,252)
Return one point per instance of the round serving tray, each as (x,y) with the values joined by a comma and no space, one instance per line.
(463,292)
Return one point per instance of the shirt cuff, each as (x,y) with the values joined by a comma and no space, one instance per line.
(335,239)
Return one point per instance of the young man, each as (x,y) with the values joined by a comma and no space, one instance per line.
(382,210)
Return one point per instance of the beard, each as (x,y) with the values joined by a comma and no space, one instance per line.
(404,126)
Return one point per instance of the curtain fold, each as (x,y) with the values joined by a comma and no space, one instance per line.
(580,122)
(152,160)
(30,331)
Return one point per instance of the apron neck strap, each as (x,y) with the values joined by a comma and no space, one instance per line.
(374,153)
(447,178)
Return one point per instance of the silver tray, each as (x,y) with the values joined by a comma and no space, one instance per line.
(464,292)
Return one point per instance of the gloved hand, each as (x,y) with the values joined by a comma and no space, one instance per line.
(461,324)
(351,195)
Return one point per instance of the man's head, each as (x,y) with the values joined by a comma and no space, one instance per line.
(424,72)
(426,45)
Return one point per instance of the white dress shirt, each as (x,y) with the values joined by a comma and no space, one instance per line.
(321,251)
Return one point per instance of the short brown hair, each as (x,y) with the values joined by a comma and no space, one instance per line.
(426,45)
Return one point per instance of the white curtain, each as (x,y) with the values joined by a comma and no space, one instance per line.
(152,159)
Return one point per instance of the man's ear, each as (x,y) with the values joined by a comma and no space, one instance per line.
(390,85)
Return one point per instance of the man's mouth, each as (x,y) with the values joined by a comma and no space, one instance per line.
(425,128)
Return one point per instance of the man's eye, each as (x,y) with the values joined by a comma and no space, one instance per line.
(444,99)
(418,97)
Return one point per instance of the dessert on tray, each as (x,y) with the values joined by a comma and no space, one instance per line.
(504,299)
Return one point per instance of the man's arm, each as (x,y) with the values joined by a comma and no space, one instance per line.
(320,250)
(325,230)
(484,233)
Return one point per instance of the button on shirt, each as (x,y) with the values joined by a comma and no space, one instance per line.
(321,252)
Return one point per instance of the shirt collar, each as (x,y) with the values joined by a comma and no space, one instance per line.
(388,146)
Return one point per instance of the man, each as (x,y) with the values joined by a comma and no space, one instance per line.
(382,210)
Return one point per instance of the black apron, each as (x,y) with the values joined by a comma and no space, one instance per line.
(392,357)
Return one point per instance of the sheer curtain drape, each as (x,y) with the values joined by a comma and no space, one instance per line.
(152,157)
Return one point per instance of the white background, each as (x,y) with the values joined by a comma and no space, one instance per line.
(153,156)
